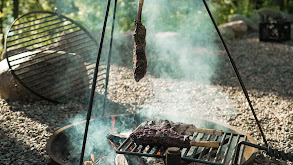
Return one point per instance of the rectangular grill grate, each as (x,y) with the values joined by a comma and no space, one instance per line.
(224,155)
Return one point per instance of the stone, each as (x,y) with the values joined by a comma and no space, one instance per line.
(272,13)
(251,25)
(227,32)
(9,87)
(256,18)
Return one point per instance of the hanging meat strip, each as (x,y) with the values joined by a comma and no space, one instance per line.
(139,57)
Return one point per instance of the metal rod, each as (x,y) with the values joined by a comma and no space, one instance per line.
(33,20)
(109,58)
(211,149)
(49,30)
(237,73)
(227,149)
(234,151)
(60,65)
(187,149)
(49,34)
(57,23)
(35,24)
(150,149)
(67,76)
(89,113)
(20,68)
(220,148)
(196,148)
(141,149)
(204,148)
(52,58)
(48,45)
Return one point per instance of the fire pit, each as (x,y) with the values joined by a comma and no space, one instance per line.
(59,150)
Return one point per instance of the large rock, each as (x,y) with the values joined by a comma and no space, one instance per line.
(275,14)
(251,25)
(272,13)
(11,89)
(233,29)
(54,72)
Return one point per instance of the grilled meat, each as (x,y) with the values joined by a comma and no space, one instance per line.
(139,57)
(160,137)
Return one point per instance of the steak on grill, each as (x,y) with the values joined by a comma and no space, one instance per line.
(167,137)
(160,137)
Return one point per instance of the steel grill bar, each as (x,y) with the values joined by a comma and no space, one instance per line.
(52,20)
(45,32)
(33,20)
(48,59)
(150,149)
(141,149)
(58,76)
(196,148)
(50,34)
(242,151)
(134,148)
(24,32)
(187,149)
(129,145)
(49,69)
(211,149)
(220,147)
(157,150)
(204,148)
(64,87)
(45,45)
(45,71)
(63,84)
(234,151)
(59,55)
(38,42)
(59,86)
(40,61)
(163,150)
(52,48)
(228,148)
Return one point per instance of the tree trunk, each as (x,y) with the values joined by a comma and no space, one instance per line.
(1,23)
(15,8)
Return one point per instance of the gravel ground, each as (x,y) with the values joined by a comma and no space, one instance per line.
(266,69)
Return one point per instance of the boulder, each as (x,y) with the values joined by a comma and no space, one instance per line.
(11,89)
(275,14)
(272,13)
(227,33)
(42,72)
(256,18)
(233,29)
(251,25)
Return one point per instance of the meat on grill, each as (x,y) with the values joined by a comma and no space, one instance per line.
(160,137)
(139,57)
(164,133)
(181,128)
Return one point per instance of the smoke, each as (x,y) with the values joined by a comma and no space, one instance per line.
(182,57)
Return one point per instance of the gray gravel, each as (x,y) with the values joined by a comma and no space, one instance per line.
(267,72)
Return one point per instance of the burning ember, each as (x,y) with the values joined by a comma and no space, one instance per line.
(90,162)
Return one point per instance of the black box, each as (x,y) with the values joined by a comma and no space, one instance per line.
(275,31)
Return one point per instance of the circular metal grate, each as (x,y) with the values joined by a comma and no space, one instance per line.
(52,56)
